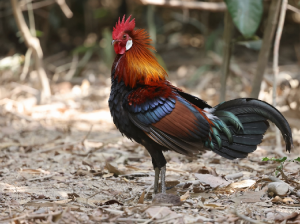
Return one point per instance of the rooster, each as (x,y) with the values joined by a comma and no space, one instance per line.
(148,109)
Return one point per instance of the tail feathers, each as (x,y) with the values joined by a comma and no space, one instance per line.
(255,127)
(243,142)
(246,120)
(248,106)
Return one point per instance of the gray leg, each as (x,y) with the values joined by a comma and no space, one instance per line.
(163,179)
(156,179)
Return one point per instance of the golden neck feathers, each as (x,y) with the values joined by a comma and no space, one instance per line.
(138,65)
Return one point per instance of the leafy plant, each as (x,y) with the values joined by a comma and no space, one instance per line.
(281,161)
(246,15)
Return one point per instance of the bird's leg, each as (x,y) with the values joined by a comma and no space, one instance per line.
(156,179)
(159,164)
(163,180)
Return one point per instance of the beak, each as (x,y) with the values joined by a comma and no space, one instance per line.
(113,42)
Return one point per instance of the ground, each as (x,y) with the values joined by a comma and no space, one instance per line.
(64,161)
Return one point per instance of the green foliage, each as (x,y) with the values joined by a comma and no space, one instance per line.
(100,13)
(246,15)
(161,61)
(107,50)
(198,73)
(39,33)
(213,42)
(281,161)
(251,44)
(83,49)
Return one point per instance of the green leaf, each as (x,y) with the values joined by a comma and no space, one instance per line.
(39,33)
(100,13)
(251,44)
(246,15)
(281,160)
(298,159)
(82,49)
(265,159)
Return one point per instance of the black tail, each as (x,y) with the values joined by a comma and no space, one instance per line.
(252,114)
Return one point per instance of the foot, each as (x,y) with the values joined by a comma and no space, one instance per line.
(156,178)
(163,180)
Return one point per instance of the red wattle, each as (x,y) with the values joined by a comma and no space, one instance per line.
(119,49)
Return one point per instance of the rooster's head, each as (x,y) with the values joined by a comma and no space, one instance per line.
(121,35)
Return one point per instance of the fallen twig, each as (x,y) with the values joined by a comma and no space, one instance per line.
(42,178)
(246,218)
(31,216)
(148,189)
(131,220)
(150,220)
(55,147)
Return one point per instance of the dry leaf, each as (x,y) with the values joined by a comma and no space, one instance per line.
(113,169)
(4,145)
(249,197)
(166,199)
(110,202)
(211,180)
(215,206)
(277,199)
(107,175)
(288,200)
(34,171)
(161,212)
(242,184)
(141,199)
(185,196)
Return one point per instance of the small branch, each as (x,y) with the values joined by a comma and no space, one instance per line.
(62,3)
(31,18)
(65,8)
(151,23)
(228,28)
(292,8)
(26,64)
(266,46)
(275,63)
(33,43)
(38,5)
(73,68)
(210,6)
(276,47)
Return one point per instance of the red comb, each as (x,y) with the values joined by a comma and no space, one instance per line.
(123,26)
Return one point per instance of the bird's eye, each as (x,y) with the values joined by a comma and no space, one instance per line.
(124,36)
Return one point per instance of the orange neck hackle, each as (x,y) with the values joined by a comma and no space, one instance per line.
(138,65)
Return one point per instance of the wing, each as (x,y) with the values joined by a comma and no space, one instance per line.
(171,121)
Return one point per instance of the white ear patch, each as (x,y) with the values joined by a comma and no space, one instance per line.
(128,45)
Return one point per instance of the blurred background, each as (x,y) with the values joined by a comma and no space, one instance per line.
(57,139)
(66,73)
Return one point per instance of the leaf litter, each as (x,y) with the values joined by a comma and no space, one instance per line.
(65,162)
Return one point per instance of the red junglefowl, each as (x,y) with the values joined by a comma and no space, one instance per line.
(148,109)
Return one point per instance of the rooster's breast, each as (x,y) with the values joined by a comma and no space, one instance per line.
(119,114)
